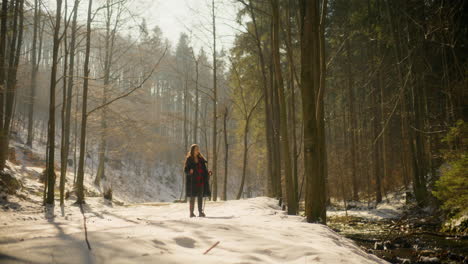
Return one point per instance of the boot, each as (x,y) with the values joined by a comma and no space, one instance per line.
(200,206)
(192,206)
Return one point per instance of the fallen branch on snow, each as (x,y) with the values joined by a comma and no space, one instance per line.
(215,244)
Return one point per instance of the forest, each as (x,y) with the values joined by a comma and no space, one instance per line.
(349,114)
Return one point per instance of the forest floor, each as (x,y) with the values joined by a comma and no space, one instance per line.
(243,231)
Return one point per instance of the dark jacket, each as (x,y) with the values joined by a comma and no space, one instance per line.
(198,183)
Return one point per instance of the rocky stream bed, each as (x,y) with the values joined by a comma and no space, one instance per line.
(408,239)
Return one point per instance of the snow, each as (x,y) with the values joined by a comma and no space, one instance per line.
(249,231)
(159,186)
(391,208)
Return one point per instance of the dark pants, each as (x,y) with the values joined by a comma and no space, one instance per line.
(199,200)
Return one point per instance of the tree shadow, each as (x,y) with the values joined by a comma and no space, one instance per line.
(89,209)
(220,217)
(9,205)
(49,214)
(122,218)
(5,258)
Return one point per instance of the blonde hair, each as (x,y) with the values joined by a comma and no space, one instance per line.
(192,149)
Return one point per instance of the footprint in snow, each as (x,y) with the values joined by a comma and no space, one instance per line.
(157,242)
(185,242)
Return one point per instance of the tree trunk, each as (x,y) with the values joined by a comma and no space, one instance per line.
(292,101)
(290,190)
(185,131)
(63,154)
(100,173)
(352,127)
(34,69)
(11,90)
(75,129)
(186,114)
(267,96)
(68,103)
(384,134)
(226,154)
(3,34)
(44,194)
(276,144)
(403,118)
(7,94)
(310,83)
(376,154)
(195,123)
(109,44)
(244,158)
(416,32)
(377,121)
(215,102)
(80,177)
(3,38)
(320,112)
(53,83)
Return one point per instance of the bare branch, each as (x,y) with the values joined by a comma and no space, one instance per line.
(132,90)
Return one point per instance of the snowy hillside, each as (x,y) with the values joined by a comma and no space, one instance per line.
(248,231)
(163,183)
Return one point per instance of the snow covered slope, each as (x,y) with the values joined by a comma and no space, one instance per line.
(248,231)
(163,183)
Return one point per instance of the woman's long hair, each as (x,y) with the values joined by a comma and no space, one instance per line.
(192,149)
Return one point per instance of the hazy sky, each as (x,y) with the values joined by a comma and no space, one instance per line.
(192,17)
(176,16)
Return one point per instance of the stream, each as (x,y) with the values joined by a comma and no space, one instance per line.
(410,239)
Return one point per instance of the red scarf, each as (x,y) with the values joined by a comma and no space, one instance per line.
(200,174)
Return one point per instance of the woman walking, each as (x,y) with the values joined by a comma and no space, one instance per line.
(198,177)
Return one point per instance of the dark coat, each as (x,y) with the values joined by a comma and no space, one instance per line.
(198,184)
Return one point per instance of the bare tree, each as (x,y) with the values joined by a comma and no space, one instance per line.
(197,99)
(247,109)
(272,170)
(53,83)
(65,150)
(214,160)
(80,176)
(109,43)
(7,93)
(226,152)
(34,69)
(3,34)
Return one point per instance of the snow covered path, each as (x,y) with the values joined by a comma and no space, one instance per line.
(249,231)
